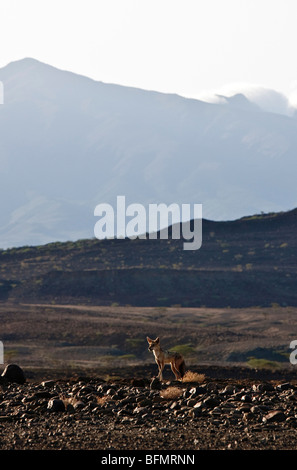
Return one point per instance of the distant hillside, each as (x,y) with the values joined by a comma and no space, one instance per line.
(68,143)
(248,262)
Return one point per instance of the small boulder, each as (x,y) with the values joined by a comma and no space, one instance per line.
(56,404)
(135,382)
(13,373)
(195,412)
(246,398)
(48,383)
(211,402)
(229,390)
(284,386)
(155,384)
(195,391)
(275,416)
(263,387)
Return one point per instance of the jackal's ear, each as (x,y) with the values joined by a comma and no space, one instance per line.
(157,340)
(149,340)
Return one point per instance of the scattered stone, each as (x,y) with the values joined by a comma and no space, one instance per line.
(138,382)
(61,414)
(211,402)
(275,416)
(195,412)
(284,386)
(292,421)
(247,417)
(145,402)
(103,388)
(229,390)
(56,404)
(75,403)
(48,383)
(191,402)
(216,411)
(255,409)
(87,389)
(246,398)
(155,384)
(245,407)
(6,419)
(154,429)
(263,387)
(140,410)
(195,391)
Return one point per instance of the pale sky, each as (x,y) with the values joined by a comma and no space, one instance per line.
(188,47)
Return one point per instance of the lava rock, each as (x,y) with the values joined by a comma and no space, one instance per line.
(229,390)
(56,404)
(135,382)
(14,373)
(263,387)
(211,402)
(155,384)
(275,416)
(48,383)
(284,386)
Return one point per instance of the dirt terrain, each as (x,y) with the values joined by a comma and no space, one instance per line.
(89,379)
(68,337)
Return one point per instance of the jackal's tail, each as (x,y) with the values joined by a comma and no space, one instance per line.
(182,368)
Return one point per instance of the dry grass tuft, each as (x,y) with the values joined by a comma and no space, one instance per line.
(102,400)
(193,377)
(171,393)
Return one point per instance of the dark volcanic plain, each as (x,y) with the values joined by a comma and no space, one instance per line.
(89,413)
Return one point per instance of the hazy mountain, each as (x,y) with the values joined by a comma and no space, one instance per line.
(68,143)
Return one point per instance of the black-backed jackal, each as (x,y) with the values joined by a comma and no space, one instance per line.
(163,357)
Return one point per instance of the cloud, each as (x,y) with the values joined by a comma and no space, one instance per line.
(293,94)
(267,99)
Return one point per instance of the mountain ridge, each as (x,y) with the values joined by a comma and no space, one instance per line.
(68,143)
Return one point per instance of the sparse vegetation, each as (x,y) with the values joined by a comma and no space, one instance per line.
(193,377)
(135,343)
(126,357)
(102,400)
(263,364)
(184,349)
(171,393)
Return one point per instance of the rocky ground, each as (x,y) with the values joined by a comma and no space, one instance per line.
(140,414)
